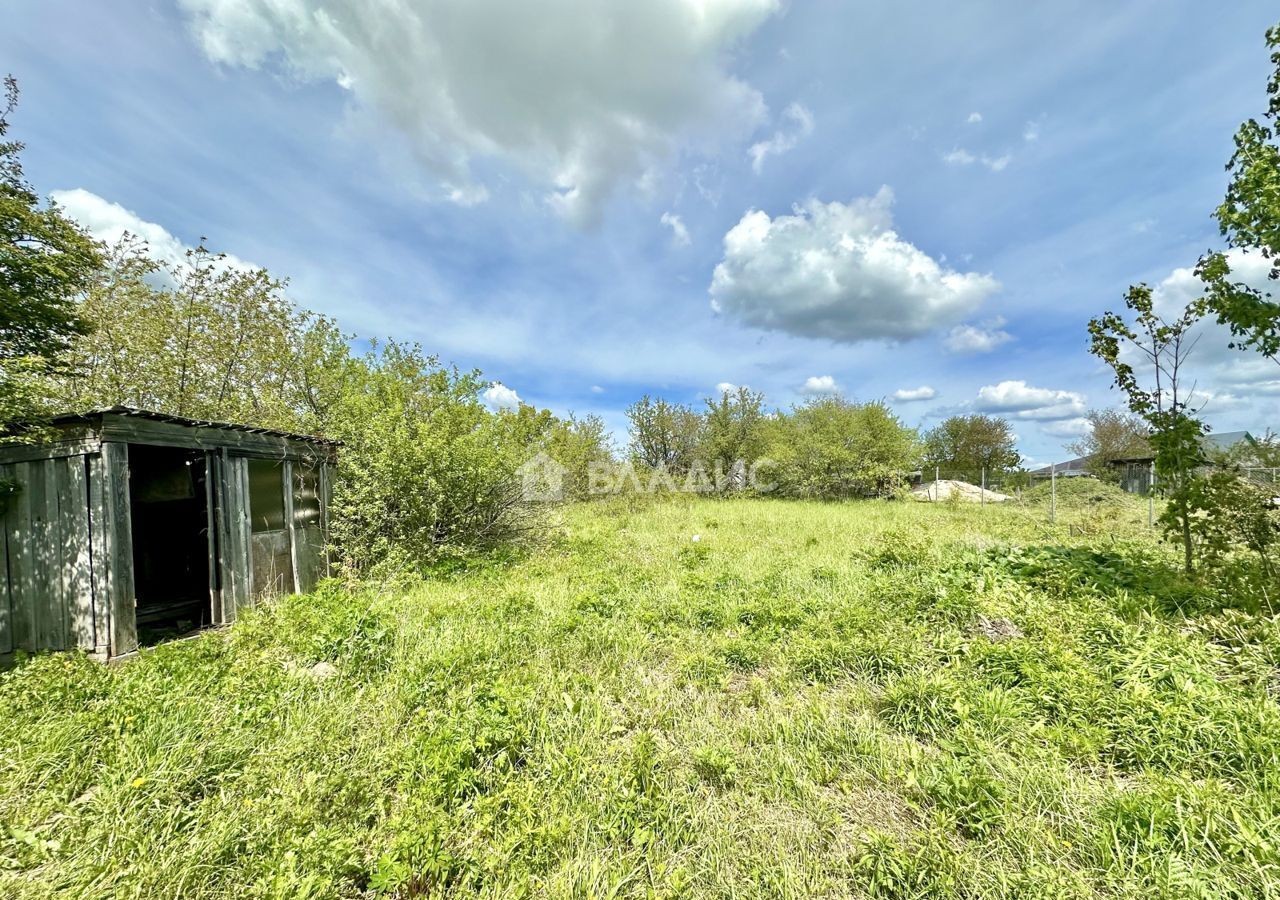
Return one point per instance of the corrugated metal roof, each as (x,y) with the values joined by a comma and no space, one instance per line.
(72,418)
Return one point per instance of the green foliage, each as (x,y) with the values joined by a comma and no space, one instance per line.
(46,260)
(1113,435)
(1230,513)
(664,435)
(969,444)
(1249,219)
(832,448)
(733,434)
(1174,432)
(424,468)
(204,339)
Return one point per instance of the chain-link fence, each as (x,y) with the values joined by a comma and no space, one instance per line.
(1069,498)
(1263,476)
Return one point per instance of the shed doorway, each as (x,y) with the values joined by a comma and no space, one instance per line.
(169,505)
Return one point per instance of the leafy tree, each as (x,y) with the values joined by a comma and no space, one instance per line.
(733,433)
(1231,512)
(968,444)
(1113,434)
(46,260)
(1249,219)
(425,470)
(580,445)
(202,339)
(664,435)
(1175,433)
(834,448)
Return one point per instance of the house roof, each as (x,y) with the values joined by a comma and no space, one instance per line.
(1226,440)
(1070,467)
(96,416)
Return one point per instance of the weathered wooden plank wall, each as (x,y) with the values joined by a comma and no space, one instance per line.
(234,542)
(47,598)
(6,603)
(117,523)
(99,554)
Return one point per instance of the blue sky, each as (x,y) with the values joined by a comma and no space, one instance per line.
(593,200)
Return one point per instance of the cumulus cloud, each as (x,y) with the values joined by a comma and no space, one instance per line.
(820,386)
(839,271)
(499,396)
(910,395)
(580,96)
(679,234)
(798,126)
(726,387)
(977,339)
(108,222)
(597,389)
(1067,428)
(962,157)
(1221,371)
(974,118)
(1022,401)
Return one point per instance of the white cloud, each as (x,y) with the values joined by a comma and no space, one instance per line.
(977,338)
(820,386)
(839,271)
(1022,401)
(108,222)
(1219,368)
(726,387)
(974,118)
(1067,428)
(679,234)
(582,97)
(962,157)
(801,126)
(1031,132)
(597,389)
(910,395)
(499,396)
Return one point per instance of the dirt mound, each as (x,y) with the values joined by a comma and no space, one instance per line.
(933,491)
(1080,491)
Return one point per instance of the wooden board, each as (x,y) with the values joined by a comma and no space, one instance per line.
(138,430)
(73,526)
(99,554)
(118,524)
(6,602)
(291,526)
(232,514)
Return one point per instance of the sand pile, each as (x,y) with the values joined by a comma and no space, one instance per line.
(966,492)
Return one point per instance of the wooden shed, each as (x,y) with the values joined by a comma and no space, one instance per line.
(127,526)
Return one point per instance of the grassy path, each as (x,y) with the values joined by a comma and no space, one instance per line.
(808,701)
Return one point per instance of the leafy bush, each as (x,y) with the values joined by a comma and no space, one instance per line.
(833,448)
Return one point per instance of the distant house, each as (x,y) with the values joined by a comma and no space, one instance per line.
(1072,468)
(1136,471)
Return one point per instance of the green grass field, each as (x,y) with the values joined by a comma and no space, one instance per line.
(867,699)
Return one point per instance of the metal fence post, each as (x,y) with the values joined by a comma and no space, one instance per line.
(1053,493)
(1151,496)
(936,487)
(983,495)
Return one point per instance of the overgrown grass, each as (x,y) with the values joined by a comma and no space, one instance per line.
(872,699)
